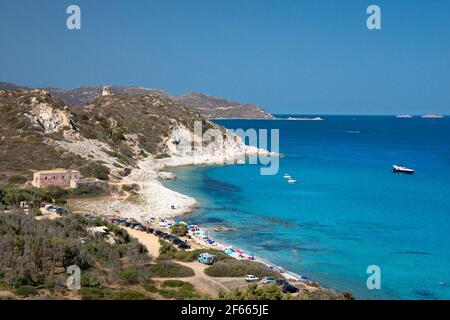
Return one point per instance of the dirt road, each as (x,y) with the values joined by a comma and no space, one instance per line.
(150,241)
(206,284)
(202,282)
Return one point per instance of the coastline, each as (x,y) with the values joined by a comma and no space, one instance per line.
(151,200)
(157,202)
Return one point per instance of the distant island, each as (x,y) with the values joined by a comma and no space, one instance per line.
(426,116)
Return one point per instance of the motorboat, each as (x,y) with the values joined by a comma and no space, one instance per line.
(402,169)
(433,116)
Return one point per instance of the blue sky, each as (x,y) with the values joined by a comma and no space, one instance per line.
(287,56)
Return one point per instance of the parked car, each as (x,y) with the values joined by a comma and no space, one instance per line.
(158,233)
(150,230)
(268,280)
(289,288)
(281,282)
(251,278)
(61,211)
(207,258)
(183,246)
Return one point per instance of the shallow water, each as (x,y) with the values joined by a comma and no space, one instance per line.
(348,210)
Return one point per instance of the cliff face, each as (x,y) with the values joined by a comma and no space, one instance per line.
(207,106)
(41,132)
(42,115)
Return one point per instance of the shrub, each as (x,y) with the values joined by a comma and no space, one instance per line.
(162,156)
(13,196)
(166,251)
(17,179)
(26,290)
(323,294)
(255,292)
(96,170)
(143,154)
(169,294)
(238,268)
(56,192)
(179,229)
(35,249)
(87,191)
(94,293)
(150,287)
(54,282)
(60,202)
(117,134)
(185,256)
(189,256)
(108,294)
(182,290)
(129,276)
(172,283)
(89,280)
(125,172)
(169,269)
(130,187)
(22,276)
(188,292)
(128,295)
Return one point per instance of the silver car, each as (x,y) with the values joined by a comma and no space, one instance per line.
(268,280)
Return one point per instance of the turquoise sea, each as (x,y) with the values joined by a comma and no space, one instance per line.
(348,210)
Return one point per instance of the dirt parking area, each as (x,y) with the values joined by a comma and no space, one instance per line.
(202,282)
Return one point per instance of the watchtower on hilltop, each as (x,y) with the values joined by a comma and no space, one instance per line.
(106,91)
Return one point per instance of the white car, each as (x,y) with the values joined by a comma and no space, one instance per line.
(251,278)
(268,280)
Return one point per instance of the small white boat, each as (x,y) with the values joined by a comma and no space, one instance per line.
(402,169)
(433,116)
(292,180)
(286,176)
(404,116)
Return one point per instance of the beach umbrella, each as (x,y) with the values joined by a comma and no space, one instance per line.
(239,251)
